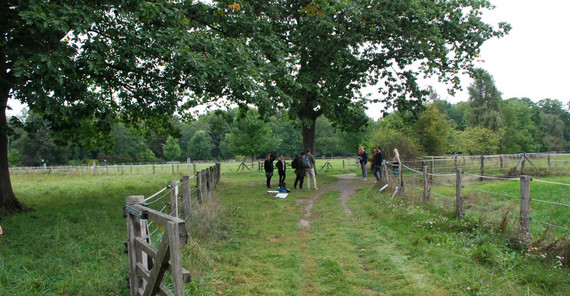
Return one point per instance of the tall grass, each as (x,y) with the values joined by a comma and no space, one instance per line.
(72,244)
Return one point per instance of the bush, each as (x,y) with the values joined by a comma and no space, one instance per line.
(389,139)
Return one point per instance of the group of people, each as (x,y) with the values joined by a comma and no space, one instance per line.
(376,162)
(304,165)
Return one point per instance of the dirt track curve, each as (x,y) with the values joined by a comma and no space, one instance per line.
(347,186)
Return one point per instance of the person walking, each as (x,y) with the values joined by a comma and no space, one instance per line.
(268,166)
(377,170)
(297,164)
(311,171)
(363,157)
(281,168)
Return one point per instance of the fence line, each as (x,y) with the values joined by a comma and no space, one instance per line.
(152,253)
(525,199)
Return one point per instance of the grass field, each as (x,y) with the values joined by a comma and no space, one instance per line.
(245,242)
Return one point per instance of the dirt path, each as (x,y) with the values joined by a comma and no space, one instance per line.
(347,185)
(342,252)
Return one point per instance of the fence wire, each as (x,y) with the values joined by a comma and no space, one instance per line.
(505,163)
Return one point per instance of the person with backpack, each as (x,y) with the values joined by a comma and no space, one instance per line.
(310,169)
(297,164)
(363,158)
(268,166)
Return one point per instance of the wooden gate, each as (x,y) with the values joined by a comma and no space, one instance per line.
(147,264)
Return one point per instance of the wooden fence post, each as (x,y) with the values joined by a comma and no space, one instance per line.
(198,189)
(482,167)
(400,176)
(432,169)
(523,163)
(134,229)
(458,197)
(426,185)
(204,185)
(525,209)
(343,164)
(501,160)
(456,162)
(548,160)
(174,199)
(186,197)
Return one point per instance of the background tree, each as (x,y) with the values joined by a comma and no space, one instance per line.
(484,102)
(556,124)
(146,156)
(251,136)
(291,139)
(172,149)
(478,141)
(522,132)
(433,131)
(201,146)
(321,53)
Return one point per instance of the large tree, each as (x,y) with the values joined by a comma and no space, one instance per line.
(321,53)
(84,65)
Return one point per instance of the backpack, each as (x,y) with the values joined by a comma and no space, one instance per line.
(294,162)
(306,162)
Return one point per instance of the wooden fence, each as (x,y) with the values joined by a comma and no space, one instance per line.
(426,172)
(148,263)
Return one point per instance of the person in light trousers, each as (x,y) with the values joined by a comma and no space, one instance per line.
(312,171)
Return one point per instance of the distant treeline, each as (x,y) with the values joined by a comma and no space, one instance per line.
(505,126)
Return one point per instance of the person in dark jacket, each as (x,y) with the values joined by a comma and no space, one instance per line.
(297,163)
(377,169)
(281,168)
(268,166)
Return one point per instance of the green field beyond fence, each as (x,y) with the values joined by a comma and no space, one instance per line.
(243,241)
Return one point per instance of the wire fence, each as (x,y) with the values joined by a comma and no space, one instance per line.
(464,183)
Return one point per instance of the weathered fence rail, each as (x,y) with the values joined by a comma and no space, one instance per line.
(150,259)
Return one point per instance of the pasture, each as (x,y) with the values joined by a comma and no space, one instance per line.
(245,242)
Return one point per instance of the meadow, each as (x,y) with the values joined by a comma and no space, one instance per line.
(245,242)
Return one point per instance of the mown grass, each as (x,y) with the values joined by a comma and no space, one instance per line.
(246,242)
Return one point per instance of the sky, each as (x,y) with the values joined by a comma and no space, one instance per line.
(533,61)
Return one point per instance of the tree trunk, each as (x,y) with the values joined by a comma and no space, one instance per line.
(309,136)
(8,202)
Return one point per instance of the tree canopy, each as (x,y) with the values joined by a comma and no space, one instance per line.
(84,66)
(321,53)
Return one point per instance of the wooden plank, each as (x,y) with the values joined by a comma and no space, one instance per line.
(152,252)
(186,197)
(164,290)
(160,266)
(175,259)
(174,199)
(146,247)
(163,219)
(135,255)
